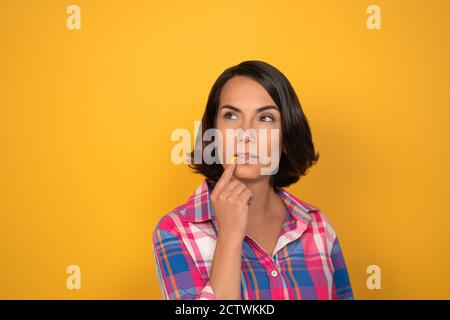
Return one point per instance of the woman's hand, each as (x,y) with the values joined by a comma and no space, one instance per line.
(230,199)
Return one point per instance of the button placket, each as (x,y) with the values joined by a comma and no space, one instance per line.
(272,270)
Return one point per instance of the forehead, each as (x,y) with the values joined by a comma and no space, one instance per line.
(244,93)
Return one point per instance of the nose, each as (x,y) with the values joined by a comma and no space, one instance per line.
(247,136)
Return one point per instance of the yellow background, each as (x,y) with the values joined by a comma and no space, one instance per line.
(86,117)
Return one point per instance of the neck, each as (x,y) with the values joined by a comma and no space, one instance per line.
(263,197)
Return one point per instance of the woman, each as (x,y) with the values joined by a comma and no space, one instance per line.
(241,235)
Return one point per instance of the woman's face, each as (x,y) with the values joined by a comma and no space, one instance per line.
(245,104)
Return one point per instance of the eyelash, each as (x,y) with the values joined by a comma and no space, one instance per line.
(228,114)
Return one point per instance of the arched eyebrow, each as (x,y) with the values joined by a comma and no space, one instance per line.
(260,109)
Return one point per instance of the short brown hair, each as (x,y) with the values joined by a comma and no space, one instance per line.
(296,134)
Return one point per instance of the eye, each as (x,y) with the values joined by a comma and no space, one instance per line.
(266,118)
(230,115)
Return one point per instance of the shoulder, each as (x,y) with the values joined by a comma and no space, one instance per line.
(318,220)
(322,224)
(169,224)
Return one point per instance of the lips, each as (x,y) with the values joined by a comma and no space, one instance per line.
(246,155)
(246,158)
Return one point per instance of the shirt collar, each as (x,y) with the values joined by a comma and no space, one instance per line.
(198,207)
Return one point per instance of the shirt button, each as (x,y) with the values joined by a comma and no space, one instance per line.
(274,273)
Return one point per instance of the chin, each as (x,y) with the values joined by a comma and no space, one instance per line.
(247,172)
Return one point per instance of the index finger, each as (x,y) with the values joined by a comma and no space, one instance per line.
(226,175)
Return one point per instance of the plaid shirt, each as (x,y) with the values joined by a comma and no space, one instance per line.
(307,262)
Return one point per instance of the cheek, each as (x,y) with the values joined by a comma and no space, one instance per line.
(222,142)
(271,141)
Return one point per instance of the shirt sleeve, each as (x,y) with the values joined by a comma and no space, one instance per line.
(342,289)
(178,276)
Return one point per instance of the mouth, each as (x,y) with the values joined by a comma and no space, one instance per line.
(245,157)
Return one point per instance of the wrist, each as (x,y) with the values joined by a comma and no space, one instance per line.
(230,240)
